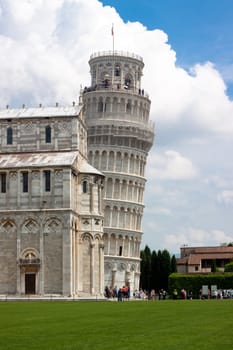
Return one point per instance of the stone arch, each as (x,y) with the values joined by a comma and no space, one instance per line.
(96,159)
(105,240)
(118,163)
(122,105)
(133,220)
(117,69)
(104,160)
(130,190)
(30,232)
(7,225)
(122,217)
(141,110)
(100,106)
(111,161)
(133,268)
(137,165)
(109,185)
(112,244)
(122,266)
(107,105)
(135,192)
(94,104)
(114,216)
(30,225)
(53,224)
(131,164)
(124,190)
(105,78)
(127,220)
(115,105)
(108,265)
(125,163)
(107,216)
(128,107)
(120,245)
(128,81)
(117,189)
(86,236)
(29,253)
(90,156)
(86,239)
(135,108)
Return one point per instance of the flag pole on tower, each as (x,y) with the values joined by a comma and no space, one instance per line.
(113,38)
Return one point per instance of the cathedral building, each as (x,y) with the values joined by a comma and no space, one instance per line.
(51,213)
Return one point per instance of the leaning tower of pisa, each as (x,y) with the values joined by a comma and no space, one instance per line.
(120,135)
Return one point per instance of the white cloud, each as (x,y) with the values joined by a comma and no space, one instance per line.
(171,165)
(196,237)
(226,197)
(47,45)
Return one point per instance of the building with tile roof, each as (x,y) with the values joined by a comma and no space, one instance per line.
(201,259)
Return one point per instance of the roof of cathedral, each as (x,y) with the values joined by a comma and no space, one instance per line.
(89,169)
(10,113)
(28,160)
(25,160)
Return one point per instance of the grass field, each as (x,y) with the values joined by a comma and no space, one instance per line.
(175,325)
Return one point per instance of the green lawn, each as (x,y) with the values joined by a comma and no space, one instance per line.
(175,325)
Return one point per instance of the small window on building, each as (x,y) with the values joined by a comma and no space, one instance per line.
(9,136)
(48,134)
(84,186)
(196,268)
(3,183)
(117,71)
(120,251)
(127,83)
(47,179)
(25,181)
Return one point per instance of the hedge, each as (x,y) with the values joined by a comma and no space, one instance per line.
(194,282)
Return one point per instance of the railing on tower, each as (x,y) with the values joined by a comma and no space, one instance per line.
(116,53)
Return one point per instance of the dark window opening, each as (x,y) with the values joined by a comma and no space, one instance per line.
(127,83)
(3,183)
(106,83)
(48,134)
(117,71)
(84,186)
(47,175)
(120,251)
(9,136)
(25,182)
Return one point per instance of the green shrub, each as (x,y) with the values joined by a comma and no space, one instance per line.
(194,282)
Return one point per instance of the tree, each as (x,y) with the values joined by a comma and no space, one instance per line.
(173,264)
(154,269)
(228,267)
(145,282)
(165,269)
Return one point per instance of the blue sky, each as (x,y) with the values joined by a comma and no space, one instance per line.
(198,30)
(187,49)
